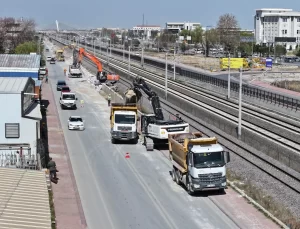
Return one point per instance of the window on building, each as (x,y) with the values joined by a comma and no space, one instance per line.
(298,31)
(284,19)
(12,130)
(298,19)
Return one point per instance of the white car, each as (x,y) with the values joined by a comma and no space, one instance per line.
(49,58)
(75,123)
(42,71)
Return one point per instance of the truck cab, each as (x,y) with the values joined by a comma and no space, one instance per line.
(206,167)
(123,120)
(68,100)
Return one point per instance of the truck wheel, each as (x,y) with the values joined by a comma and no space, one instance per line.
(177,178)
(189,187)
(173,175)
(113,141)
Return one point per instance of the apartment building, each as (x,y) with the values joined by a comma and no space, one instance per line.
(271,23)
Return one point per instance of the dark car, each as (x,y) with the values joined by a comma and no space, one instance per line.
(47,50)
(52,61)
(65,89)
(60,84)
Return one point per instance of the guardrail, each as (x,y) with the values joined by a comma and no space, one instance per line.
(250,91)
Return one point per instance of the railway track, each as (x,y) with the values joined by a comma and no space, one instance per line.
(291,181)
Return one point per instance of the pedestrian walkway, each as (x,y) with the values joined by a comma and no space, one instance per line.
(275,89)
(68,209)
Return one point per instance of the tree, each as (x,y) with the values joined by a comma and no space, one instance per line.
(26,48)
(212,38)
(229,31)
(197,35)
(14,32)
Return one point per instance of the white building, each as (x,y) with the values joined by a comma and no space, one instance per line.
(19,122)
(146,30)
(271,23)
(177,27)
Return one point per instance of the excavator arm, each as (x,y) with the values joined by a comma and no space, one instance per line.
(140,84)
(101,75)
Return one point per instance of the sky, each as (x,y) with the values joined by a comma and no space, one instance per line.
(126,14)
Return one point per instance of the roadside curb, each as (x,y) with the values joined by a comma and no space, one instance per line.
(261,208)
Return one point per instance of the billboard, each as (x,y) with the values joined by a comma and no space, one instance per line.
(235,63)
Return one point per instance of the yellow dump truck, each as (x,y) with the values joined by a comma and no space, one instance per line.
(60,55)
(198,162)
(123,122)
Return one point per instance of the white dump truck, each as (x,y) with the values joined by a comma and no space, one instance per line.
(199,162)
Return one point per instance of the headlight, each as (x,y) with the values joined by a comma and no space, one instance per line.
(224,184)
(196,185)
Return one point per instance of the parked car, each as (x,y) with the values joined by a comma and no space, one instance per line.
(60,84)
(47,50)
(42,71)
(52,61)
(65,89)
(75,123)
(48,58)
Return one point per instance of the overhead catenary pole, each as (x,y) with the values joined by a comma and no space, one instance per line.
(142,58)
(166,77)
(174,76)
(228,95)
(123,52)
(129,59)
(94,46)
(240,104)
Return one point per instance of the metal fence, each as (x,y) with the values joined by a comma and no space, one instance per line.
(17,159)
(254,92)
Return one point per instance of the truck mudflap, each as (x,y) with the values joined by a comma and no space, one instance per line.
(118,135)
(199,185)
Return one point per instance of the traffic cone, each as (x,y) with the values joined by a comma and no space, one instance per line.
(127,155)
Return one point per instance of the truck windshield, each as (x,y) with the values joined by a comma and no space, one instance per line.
(69,97)
(214,159)
(124,119)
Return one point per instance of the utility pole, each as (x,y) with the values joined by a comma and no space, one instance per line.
(228,95)
(166,77)
(174,64)
(110,48)
(94,46)
(129,59)
(123,52)
(240,104)
(142,58)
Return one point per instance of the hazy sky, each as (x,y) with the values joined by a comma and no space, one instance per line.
(126,14)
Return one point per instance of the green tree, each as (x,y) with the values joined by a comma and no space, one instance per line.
(26,48)
(197,35)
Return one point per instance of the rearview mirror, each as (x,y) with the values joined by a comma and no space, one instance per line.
(227,156)
(60,98)
(76,98)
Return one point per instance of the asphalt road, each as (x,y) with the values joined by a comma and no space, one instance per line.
(125,193)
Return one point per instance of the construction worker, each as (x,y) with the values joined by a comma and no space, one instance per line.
(65,71)
(108,99)
(52,168)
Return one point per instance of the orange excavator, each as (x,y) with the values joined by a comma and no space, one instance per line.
(101,76)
